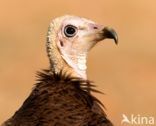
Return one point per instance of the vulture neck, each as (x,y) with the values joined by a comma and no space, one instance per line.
(77,62)
(74,65)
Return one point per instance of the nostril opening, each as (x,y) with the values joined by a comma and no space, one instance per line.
(95,27)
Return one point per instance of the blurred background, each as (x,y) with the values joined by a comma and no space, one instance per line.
(125,73)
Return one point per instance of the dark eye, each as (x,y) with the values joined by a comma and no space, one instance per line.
(70,30)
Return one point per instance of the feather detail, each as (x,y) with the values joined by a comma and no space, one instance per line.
(81,84)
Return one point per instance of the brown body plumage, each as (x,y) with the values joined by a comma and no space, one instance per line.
(62,96)
(60,100)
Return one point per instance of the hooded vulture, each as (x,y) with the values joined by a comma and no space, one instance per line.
(62,95)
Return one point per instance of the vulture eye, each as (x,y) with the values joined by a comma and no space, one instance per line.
(70,30)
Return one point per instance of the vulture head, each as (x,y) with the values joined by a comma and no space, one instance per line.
(69,39)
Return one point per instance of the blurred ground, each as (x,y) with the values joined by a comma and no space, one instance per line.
(126,73)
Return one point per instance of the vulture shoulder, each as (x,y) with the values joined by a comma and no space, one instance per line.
(59,100)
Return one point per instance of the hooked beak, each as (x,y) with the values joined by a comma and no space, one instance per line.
(110,34)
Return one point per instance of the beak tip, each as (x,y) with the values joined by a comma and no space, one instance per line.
(111,34)
(116,40)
